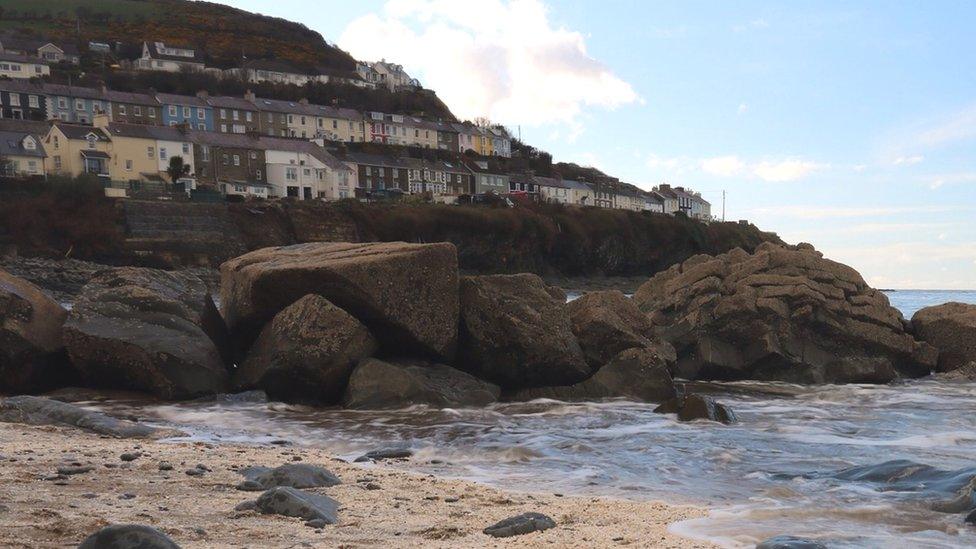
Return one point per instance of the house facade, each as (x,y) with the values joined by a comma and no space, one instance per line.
(234,115)
(192,111)
(133,108)
(14,65)
(340,125)
(21,154)
(74,149)
(159,56)
(74,103)
(232,163)
(580,193)
(553,190)
(38,48)
(141,152)
(376,172)
(487,180)
(21,100)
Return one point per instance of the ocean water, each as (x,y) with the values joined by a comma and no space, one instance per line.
(853,465)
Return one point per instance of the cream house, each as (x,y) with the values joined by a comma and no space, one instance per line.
(304,170)
(142,153)
(73,150)
(159,56)
(14,65)
(21,154)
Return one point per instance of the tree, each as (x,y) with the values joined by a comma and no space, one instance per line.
(177,168)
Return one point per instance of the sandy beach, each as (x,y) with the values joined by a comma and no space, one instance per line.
(399,509)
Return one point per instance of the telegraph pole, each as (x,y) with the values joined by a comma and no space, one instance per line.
(723,205)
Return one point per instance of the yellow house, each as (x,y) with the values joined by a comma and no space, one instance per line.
(73,149)
(345,125)
(140,152)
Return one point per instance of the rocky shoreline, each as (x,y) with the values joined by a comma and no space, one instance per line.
(145,482)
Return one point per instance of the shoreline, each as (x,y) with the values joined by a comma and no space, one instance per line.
(406,510)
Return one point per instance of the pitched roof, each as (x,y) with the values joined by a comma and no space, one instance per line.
(550,182)
(11,144)
(279,105)
(377,160)
(229,102)
(17,58)
(146,131)
(265,143)
(35,127)
(174,99)
(130,97)
(79,131)
(155,54)
(71,91)
(579,185)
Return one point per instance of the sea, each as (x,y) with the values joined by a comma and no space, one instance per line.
(849,465)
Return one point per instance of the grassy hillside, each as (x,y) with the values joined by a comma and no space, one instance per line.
(222,31)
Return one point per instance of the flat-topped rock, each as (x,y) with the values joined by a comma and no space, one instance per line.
(519,525)
(306,353)
(292,502)
(406,294)
(295,475)
(950,328)
(128,536)
(781,313)
(30,337)
(44,411)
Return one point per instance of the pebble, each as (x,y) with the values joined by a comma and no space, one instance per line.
(246,506)
(89,495)
(451,500)
(372,486)
(316,523)
(165,466)
(130,456)
(195,472)
(127,495)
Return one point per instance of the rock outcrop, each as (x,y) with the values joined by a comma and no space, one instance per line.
(515,333)
(306,352)
(147,330)
(689,407)
(606,323)
(782,313)
(406,294)
(128,536)
(398,384)
(950,328)
(640,373)
(44,411)
(30,338)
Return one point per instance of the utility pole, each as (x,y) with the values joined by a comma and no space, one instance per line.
(723,205)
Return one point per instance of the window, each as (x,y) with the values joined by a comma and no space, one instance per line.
(137,110)
(223,128)
(122,109)
(32,166)
(14,100)
(291,174)
(200,114)
(91,141)
(62,103)
(186,148)
(128,165)
(150,152)
(236,115)
(247,116)
(205,153)
(152,113)
(162,153)
(186,112)
(237,160)
(97,106)
(201,126)
(32,101)
(172,110)
(57,163)
(223,114)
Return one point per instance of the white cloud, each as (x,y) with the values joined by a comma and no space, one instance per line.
(958,126)
(672,164)
(754,24)
(743,108)
(786,170)
(860,168)
(725,166)
(937,181)
(908,160)
(502,59)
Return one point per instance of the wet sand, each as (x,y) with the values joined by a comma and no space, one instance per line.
(408,510)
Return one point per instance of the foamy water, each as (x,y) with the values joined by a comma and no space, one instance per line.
(783,469)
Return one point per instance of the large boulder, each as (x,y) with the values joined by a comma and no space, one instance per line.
(34,410)
(407,294)
(128,536)
(606,323)
(781,313)
(950,328)
(515,333)
(639,373)
(397,384)
(30,338)
(306,352)
(146,330)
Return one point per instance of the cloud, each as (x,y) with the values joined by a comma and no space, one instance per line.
(502,59)
(754,24)
(929,134)
(725,166)
(786,170)
(908,160)
(937,181)
(742,108)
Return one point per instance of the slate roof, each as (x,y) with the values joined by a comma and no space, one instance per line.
(11,144)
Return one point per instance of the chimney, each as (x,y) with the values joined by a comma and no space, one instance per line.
(249,95)
(303,101)
(203,94)
(665,187)
(100,120)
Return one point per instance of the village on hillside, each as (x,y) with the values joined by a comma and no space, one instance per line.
(211,147)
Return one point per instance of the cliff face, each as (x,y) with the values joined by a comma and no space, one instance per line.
(546,240)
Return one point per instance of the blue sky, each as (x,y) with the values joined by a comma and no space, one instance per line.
(848,125)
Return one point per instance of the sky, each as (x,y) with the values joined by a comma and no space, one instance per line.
(849,125)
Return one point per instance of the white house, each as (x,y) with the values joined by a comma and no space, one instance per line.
(21,154)
(580,193)
(157,56)
(13,65)
(304,170)
(553,191)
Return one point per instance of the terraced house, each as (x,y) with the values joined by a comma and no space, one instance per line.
(21,100)
(14,65)
(338,124)
(232,163)
(192,111)
(378,172)
(133,108)
(74,103)
(73,149)
(21,153)
(160,56)
(303,170)
(234,115)
(140,152)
